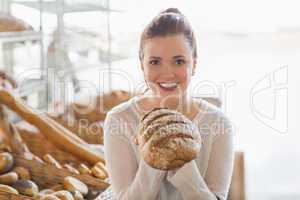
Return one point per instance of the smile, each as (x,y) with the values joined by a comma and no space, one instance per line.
(168,86)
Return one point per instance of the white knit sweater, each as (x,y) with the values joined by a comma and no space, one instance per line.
(207,177)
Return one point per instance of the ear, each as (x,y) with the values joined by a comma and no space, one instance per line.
(194,66)
(142,66)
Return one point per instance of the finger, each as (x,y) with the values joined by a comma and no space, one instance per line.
(135,141)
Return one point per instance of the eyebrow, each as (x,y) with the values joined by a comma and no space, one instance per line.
(174,57)
(155,57)
(178,56)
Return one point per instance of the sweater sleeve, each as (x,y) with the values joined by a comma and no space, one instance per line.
(215,184)
(129,180)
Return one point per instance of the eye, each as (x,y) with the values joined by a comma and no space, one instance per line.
(154,62)
(179,61)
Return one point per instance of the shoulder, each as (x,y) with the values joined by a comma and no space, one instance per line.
(122,110)
(121,118)
(213,120)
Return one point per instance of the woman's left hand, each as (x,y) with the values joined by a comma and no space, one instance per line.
(172,172)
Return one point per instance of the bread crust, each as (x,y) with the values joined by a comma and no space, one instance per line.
(167,139)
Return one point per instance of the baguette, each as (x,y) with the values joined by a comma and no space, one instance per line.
(58,135)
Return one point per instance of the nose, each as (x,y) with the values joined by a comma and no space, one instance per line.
(167,71)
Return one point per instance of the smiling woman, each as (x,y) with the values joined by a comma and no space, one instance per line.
(168,60)
(168,55)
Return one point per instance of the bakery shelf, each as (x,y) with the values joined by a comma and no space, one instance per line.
(69,6)
(20,36)
(62,7)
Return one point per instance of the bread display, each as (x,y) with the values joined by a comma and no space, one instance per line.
(43,159)
(60,136)
(167,139)
(31,164)
(47,177)
(95,110)
(84,116)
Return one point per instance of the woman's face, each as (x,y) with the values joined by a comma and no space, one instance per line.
(168,65)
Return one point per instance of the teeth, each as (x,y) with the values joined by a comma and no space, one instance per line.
(168,85)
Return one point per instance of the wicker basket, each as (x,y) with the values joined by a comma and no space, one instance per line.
(40,146)
(9,196)
(47,176)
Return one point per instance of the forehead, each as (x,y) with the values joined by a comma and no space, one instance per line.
(167,46)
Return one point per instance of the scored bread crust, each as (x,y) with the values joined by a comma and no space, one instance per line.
(167,139)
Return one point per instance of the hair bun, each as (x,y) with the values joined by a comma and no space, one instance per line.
(171,10)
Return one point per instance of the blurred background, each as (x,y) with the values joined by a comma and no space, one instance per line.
(249,58)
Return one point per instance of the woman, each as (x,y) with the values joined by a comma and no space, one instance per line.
(168,60)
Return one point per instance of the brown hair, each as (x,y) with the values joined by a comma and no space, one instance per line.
(169,22)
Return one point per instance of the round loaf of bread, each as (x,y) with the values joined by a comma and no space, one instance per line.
(167,139)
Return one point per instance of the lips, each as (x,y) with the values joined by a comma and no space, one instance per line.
(168,86)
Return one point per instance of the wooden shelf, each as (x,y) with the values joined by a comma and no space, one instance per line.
(20,36)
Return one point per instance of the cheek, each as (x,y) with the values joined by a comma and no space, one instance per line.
(150,75)
(184,74)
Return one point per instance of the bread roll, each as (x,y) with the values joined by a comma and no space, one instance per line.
(83,108)
(8,189)
(6,162)
(73,184)
(167,139)
(83,169)
(26,187)
(10,23)
(9,178)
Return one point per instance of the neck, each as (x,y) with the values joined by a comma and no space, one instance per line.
(180,103)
